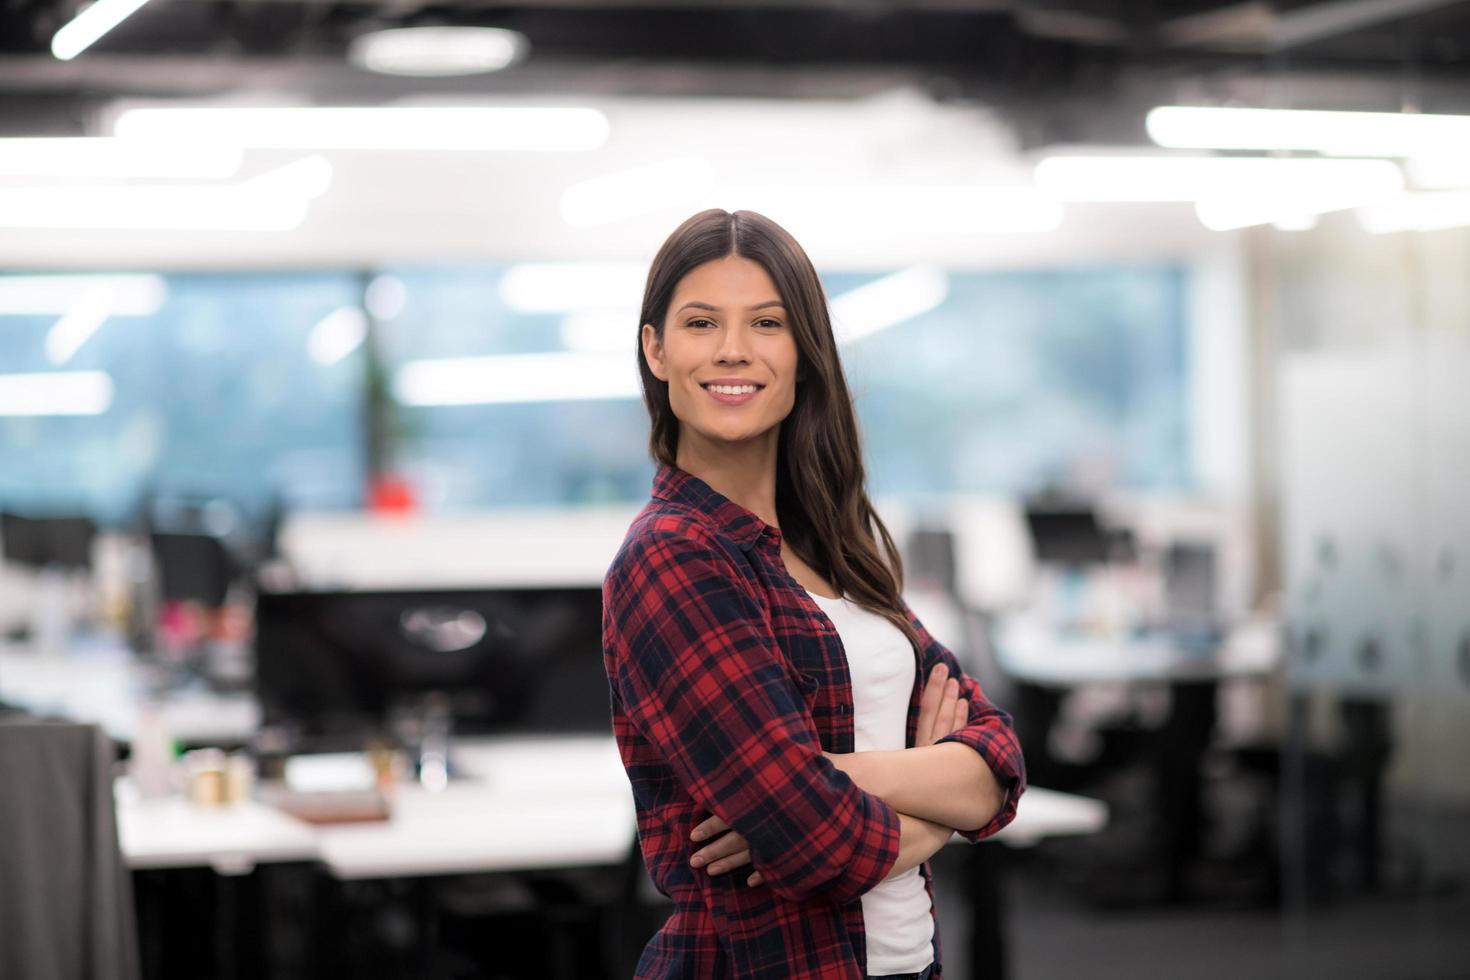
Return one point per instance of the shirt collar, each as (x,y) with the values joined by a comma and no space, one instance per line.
(739,524)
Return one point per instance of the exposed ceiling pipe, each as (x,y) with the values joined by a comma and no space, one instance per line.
(1257,25)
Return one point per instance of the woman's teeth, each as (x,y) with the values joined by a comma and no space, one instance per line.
(733,389)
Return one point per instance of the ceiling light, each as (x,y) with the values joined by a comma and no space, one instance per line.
(385,297)
(76,327)
(277,200)
(336,335)
(1441,173)
(1166,178)
(888,301)
(83,30)
(107,156)
(1429,211)
(899,209)
(514,378)
(639,190)
(437,51)
(1296,222)
(559,287)
(1383,134)
(57,295)
(68,393)
(375,127)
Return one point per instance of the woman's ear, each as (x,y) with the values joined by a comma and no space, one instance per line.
(653,353)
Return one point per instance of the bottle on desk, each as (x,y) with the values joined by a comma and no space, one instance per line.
(152,759)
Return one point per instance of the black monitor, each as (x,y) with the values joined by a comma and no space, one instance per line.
(192,567)
(48,542)
(334,669)
(1067,535)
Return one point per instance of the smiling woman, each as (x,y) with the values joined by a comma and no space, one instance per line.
(825,759)
(737,352)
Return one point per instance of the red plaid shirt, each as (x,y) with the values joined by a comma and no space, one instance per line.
(727,684)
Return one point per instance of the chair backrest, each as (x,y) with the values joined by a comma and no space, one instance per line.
(66,896)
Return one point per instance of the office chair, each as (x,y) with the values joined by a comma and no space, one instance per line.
(65,893)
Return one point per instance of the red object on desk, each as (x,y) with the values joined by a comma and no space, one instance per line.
(391,495)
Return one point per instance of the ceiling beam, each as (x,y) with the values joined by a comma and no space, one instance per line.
(1256,24)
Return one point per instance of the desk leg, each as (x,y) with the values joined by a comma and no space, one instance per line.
(985,878)
(1186,736)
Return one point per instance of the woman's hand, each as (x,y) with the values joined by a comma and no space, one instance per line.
(941,709)
(725,854)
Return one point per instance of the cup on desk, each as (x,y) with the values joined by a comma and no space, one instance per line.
(205,769)
(217,779)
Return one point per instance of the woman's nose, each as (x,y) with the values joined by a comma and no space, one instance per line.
(734,347)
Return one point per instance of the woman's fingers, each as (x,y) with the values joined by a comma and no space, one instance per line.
(929,703)
(708,828)
(729,863)
(946,709)
(730,843)
(754,879)
(961,714)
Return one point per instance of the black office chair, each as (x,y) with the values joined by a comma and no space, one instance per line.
(65,893)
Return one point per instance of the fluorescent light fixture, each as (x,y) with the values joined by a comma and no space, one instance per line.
(385,297)
(69,393)
(639,190)
(600,331)
(95,20)
(1440,173)
(1234,209)
(1296,222)
(76,327)
(560,287)
(336,335)
(437,52)
(1382,134)
(274,201)
(57,295)
(888,301)
(514,378)
(113,158)
(900,209)
(1429,211)
(1176,178)
(374,127)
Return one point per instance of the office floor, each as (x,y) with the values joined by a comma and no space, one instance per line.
(1055,932)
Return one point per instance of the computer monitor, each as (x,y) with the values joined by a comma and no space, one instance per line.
(48,542)
(192,567)
(334,669)
(1067,535)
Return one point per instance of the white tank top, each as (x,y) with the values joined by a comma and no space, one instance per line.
(896,917)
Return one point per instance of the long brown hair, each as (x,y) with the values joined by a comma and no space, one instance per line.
(821,497)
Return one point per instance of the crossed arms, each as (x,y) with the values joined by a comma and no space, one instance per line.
(695,671)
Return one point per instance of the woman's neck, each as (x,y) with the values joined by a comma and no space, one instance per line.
(744,472)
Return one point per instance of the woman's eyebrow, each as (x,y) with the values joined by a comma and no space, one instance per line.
(695,304)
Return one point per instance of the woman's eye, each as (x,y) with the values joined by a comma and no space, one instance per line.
(768,322)
(701,322)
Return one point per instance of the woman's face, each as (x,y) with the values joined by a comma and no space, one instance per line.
(728,352)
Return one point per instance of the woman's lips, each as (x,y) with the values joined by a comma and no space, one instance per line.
(732,398)
(728,399)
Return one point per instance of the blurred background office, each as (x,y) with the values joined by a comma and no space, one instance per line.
(319,423)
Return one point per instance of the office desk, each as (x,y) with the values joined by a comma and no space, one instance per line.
(1033,651)
(1045,663)
(526,803)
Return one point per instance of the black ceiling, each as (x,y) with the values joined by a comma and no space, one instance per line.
(1055,65)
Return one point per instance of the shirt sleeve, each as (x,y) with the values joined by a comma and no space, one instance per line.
(699,674)
(988,731)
